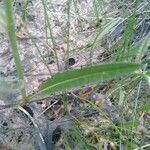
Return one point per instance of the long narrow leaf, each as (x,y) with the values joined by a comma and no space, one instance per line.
(76,78)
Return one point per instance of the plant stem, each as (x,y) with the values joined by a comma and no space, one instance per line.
(13,41)
(47,23)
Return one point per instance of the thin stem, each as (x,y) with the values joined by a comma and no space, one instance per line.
(51,32)
(43,60)
(13,41)
(68,29)
(36,127)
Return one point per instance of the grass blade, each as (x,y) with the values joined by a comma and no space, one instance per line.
(76,78)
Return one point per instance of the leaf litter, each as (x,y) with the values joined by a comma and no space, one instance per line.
(58,114)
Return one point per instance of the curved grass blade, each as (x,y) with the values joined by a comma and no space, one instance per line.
(76,78)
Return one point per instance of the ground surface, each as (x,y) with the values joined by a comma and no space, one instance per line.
(53,116)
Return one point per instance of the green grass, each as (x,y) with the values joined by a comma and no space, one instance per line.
(126,71)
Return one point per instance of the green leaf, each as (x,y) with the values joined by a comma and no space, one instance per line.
(145,107)
(76,78)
